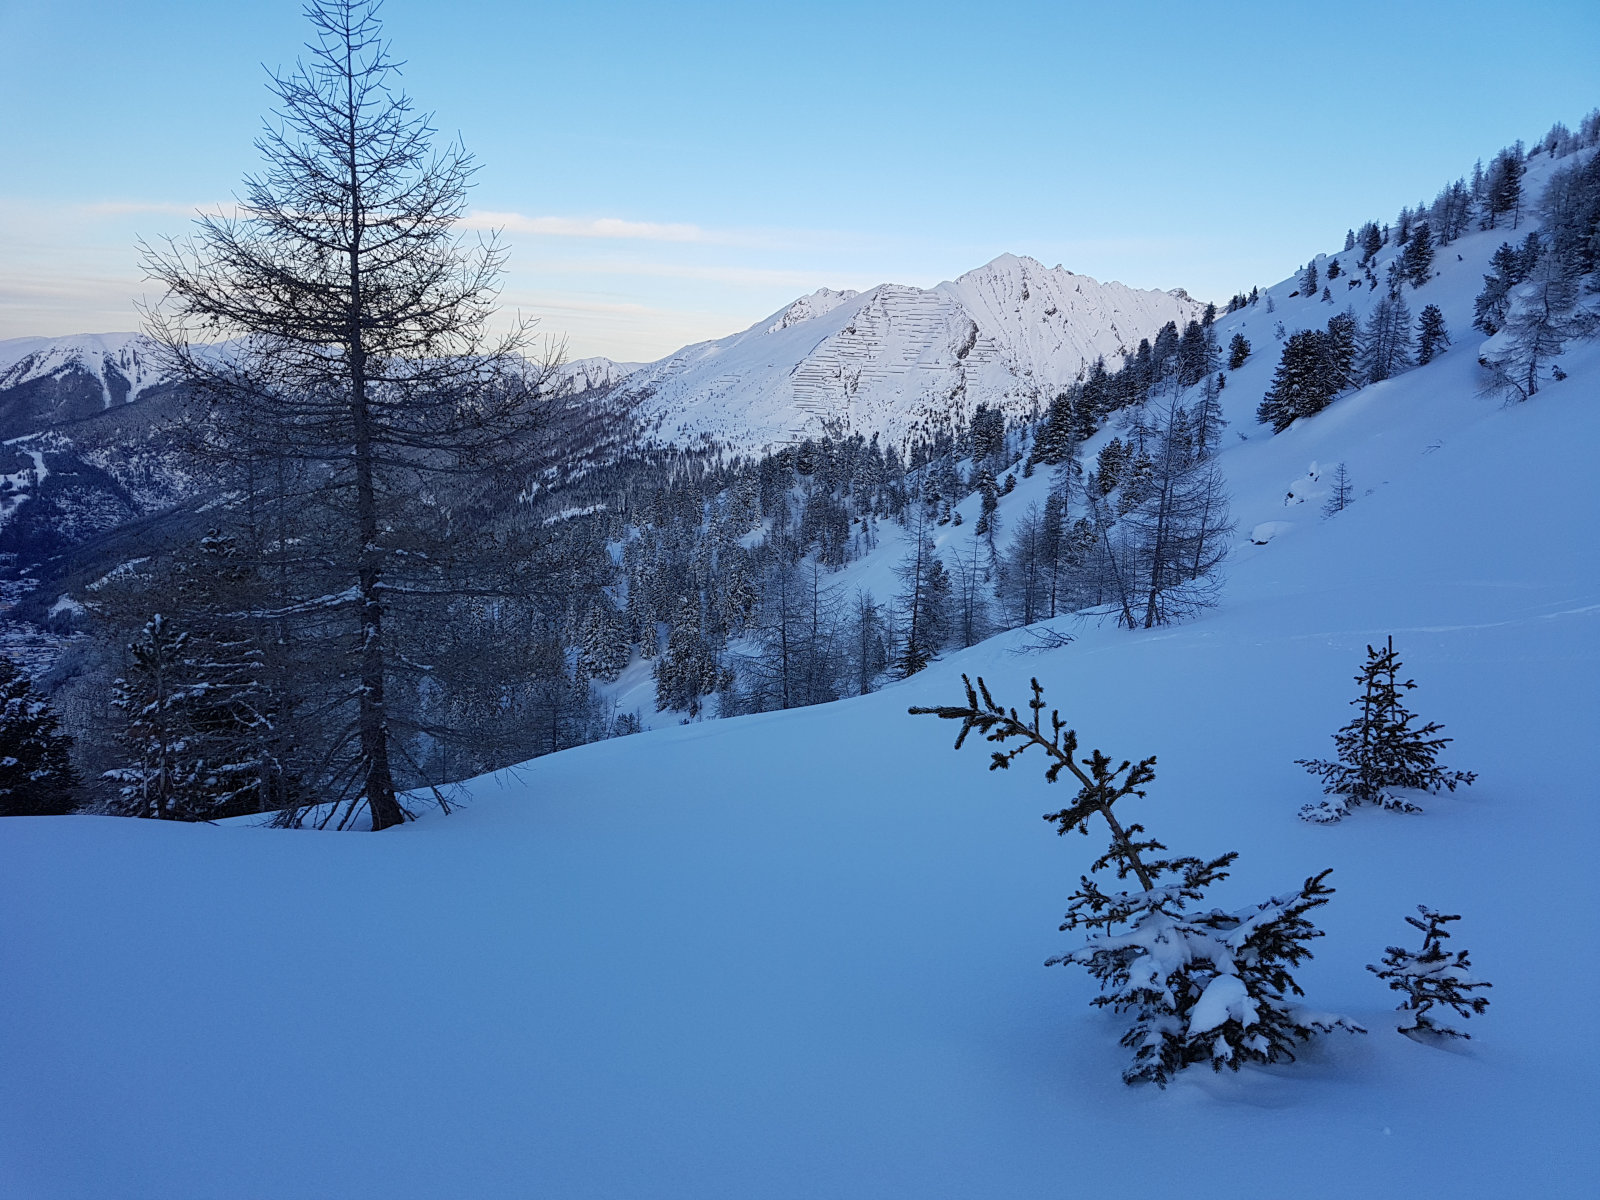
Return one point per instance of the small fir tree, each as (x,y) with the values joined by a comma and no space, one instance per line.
(1432,336)
(1238,351)
(1371,242)
(1505,185)
(1339,498)
(1417,260)
(36,773)
(1510,267)
(1432,977)
(1203,985)
(1379,751)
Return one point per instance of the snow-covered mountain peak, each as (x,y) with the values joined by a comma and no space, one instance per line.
(590,374)
(124,364)
(818,303)
(895,359)
(1010,265)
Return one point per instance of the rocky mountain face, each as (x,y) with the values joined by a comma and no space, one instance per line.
(48,382)
(83,448)
(895,360)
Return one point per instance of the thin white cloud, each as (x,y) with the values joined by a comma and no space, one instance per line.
(608,228)
(728,273)
(124,208)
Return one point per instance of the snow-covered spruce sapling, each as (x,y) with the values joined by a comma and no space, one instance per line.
(1432,977)
(1201,985)
(1379,751)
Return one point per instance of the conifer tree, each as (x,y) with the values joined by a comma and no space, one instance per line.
(1371,242)
(1179,527)
(1417,261)
(156,695)
(1545,317)
(1238,351)
(1197,351)
(1208,419)
(1302,385)
(37,777)
(687,669)
(869,650)
(337,326)
(1505,185)
(1431,978)
(1339,498)
(799,632)
(1309,280)
(1137,481)
(923,603)
(1109,464)
(1386,341)
(1341,348)
(1025,577)
(1432,336)
(1203,985)
(1380,752)
(603,650)
(1570,208)
(1509,267)
(1056,432)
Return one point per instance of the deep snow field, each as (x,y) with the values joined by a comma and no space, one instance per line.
(800,954)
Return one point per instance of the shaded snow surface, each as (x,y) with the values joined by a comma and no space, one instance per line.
(800,954)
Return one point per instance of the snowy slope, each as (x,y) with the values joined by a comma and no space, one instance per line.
(895,358)
(799,954)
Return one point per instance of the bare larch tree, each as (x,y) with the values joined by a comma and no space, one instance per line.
(335,328)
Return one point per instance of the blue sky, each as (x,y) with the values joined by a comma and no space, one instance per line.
(670,172)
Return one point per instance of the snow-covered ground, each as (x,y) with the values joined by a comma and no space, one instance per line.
(800,954)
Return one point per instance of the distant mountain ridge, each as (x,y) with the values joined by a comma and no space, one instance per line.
(46,382)
(890,360)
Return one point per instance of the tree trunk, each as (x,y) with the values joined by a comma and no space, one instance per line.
(372,720)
